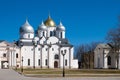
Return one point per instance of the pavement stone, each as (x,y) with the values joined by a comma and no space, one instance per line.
(9,74)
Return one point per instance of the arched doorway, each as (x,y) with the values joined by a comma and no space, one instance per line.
(4,64)
(55,64)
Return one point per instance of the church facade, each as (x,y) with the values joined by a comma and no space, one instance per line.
(46,47)
(105,57)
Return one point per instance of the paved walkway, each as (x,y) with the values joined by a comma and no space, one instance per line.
(8,74)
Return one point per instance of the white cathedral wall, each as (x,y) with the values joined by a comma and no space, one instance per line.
(54,49)
(17,51)
(74,62)
(27,53)
(51,58)
(44,55)
(37,56)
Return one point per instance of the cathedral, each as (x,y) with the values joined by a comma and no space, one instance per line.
(45,47)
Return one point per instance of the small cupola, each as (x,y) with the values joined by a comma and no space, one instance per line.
(60,27)
(26,28)
(42,27)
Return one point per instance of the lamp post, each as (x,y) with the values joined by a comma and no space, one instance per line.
(35,45)
(63,53)
(21,45)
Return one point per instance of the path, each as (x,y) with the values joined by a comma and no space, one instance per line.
(9,74)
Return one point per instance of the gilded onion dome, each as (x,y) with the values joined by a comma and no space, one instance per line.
(42,26)
(26,28)
(49,22)
(60,27)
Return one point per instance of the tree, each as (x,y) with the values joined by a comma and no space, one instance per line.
(113,38)
(83,49)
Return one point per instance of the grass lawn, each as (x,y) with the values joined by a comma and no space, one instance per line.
(70,71)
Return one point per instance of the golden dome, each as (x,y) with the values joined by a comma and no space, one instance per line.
(49,22)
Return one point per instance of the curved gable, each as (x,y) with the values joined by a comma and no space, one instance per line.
(52,40)
(42,40)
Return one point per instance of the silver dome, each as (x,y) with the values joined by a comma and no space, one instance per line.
(26,28)
(42,27)
(60,27)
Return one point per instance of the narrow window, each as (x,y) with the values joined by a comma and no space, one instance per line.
(31,49)
(39,62)
(43,33)
(66,62)
(16,55)
(38,49)
(52,49)
(28,35)
(46,62)
(28,62)
(46,49)
(61,35)
(4,55)
(50,33)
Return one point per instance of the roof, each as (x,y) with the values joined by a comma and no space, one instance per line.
(65,45)
(103,46)
(64,41)
(49,22)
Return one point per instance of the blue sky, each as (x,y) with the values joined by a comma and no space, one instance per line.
(85,20)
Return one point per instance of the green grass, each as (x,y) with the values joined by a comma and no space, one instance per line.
(70,71)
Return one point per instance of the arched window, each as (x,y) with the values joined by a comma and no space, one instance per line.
(56,56)
(39,62)
(50,33)
(109,60)
(4,55)
(43,33)
(28,62)
(46,62)
(61,35)
(16,55)
(28,35)
(66,62)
